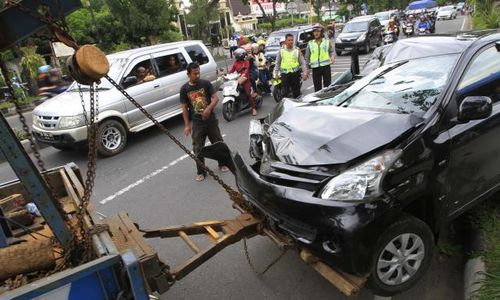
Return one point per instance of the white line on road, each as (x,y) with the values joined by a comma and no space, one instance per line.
(145,178)
(463,24)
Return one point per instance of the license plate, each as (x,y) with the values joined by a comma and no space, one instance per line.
(348,48)
(46,136)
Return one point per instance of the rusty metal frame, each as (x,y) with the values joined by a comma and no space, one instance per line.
(220,233)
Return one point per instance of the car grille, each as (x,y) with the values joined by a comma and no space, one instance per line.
(294,176)
(47,122)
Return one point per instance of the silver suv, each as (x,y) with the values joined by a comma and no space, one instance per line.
(152,75)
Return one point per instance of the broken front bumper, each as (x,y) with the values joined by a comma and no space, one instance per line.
(342,234)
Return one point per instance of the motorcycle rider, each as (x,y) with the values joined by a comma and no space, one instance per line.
(319,58)
(242,66)
(392,28)
(289,61)
(423,23)
(262,65)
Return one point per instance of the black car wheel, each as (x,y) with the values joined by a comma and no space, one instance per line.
(402,256)
(228,111)
(111,138)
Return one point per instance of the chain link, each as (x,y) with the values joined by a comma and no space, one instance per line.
(252,266)
(235,196)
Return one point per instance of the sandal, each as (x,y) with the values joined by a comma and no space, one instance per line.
(200,177)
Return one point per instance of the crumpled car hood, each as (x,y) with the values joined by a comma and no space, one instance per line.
(311,134)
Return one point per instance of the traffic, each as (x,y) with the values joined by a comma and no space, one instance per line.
(355,141)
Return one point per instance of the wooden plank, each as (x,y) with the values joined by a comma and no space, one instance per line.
(71,193)
(189,242)
(212,233)
(348,284)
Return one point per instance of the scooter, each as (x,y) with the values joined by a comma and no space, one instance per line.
(390,37)
(423,31)
(48,92)
(234,98)
(408,29)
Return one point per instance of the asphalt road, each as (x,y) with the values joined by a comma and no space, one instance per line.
(154,183)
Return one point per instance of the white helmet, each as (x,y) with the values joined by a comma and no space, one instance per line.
(239,54)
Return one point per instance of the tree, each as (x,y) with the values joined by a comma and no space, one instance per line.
(200,14)
(269,18)
(144,21)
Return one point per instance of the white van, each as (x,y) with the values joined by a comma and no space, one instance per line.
(60,121)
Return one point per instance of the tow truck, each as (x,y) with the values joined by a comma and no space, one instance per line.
(54,245)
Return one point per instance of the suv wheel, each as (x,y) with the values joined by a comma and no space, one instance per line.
(111,137)
(402,256)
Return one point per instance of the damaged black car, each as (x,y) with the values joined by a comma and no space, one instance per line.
(368,178)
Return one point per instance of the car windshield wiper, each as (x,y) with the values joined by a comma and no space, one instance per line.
(373,79)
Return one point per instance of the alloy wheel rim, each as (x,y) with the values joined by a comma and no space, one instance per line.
(111,138)
(401,259)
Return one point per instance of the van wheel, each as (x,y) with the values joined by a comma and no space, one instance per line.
(402,256)
(111,137)
(228,111)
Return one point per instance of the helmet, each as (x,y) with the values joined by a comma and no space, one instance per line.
(318,26)
(261,42)
(239,54)
(247,47)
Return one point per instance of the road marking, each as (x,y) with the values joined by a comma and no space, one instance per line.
(463,24)
(145,178)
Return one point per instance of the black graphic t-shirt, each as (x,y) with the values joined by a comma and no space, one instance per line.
(198,97)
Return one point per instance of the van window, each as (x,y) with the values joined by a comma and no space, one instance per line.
(197,54)
(170,64)
(143,71)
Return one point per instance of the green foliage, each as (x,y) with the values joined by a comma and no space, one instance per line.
(7,55)
(31,60)
(121,25)
(201,12)
(487,15)
(487,217)
(282,23)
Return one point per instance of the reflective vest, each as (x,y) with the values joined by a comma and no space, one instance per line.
(289,61)
(319,56)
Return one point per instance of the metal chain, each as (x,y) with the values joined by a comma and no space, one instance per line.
(234,195)
(252,266)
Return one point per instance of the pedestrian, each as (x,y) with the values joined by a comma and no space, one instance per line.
(199,98)
(233,45)
(289,62)
(320,55)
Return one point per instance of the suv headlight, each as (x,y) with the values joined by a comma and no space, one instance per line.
(362,37)
(361,182)
(338,40)
(71,122)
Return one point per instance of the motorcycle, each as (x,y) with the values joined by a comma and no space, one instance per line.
(278,92)
(408,29)
(234,98)
(423,31)
(390,37)
(48,92)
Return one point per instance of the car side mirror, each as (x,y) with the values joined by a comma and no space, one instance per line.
(475,108)
(129,80)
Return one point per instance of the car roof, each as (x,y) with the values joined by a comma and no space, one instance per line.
(423,46)
(143,50)
(362,19)
(296,28)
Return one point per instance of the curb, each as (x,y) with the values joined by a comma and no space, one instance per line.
(474,275)
(475,268)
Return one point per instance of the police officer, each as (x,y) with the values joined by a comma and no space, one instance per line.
(290,61)
(319,57)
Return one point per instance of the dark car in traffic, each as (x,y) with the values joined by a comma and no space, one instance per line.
(363,33)
(369,178)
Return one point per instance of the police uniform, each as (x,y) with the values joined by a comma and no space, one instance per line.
(318,58)
(290,62)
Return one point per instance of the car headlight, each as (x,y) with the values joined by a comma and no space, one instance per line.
(362,37)
(71,122)
(337,40)
(36,122)
(362,182)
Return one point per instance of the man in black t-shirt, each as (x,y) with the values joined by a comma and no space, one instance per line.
(198,99)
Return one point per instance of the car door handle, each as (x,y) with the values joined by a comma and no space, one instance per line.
(156,86)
